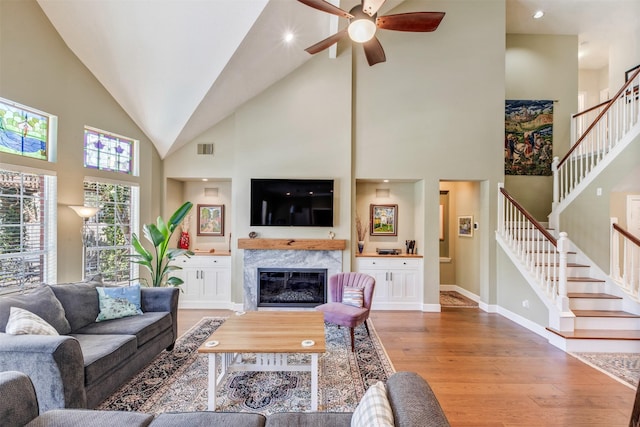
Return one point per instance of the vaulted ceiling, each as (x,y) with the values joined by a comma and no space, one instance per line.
(179,67)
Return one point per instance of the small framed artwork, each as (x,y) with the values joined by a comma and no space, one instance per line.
(465,226)
(210,220)
(384,220)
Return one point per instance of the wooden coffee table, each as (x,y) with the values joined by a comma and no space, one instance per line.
(271,335)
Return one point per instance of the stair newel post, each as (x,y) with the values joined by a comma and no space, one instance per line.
(563,250)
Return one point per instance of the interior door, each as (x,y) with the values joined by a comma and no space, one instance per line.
(633,215)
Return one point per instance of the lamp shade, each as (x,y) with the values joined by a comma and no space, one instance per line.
(85,211)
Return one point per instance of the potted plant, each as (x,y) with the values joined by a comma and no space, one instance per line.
(361,231)
(159,235)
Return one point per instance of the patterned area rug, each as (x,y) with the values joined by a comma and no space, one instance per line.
(624,367)
(455,299)
(177,381)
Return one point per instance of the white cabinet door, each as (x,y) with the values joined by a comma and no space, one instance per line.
(398,282)
(207,281)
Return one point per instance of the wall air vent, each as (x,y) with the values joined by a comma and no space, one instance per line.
(206,149)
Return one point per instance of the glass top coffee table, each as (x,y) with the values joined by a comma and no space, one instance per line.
(271,335)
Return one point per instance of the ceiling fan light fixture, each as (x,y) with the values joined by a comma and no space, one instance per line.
(361,30)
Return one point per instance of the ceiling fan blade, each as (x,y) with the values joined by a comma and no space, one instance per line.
(370,7)
(322,45)
(413,21)
(326,7)
(373,51)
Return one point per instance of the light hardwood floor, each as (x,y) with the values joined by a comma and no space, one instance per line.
(488,371)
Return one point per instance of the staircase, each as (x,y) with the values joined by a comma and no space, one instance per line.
(588,310)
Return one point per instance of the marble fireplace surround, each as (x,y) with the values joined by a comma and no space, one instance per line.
(286,253)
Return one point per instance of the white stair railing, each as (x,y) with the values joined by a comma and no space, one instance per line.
(544,256)
(625,259)
(613,121)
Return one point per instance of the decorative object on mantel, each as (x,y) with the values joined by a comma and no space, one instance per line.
(411,246)
(361,231)
(332,235)
(253,235)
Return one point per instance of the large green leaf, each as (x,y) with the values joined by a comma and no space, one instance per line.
(159,234)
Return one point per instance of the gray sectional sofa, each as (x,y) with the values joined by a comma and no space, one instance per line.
(88,361)
(412,402)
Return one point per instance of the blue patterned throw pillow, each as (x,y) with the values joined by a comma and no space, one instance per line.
(118,302)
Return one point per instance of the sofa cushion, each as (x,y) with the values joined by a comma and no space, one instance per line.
(102,353)
(309,419)
(145,326)
(23,322)
(205,419)
(117,302)
(80,301)
(374,409)
(42,302)
(85,417)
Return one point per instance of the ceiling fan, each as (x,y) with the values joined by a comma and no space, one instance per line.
(363,22)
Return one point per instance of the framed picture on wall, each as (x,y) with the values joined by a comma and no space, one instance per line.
(384,220)
(465,226)
(210,220)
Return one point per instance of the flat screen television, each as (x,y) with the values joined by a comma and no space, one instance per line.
(292,202)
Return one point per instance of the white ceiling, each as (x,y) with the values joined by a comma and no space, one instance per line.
(178,67)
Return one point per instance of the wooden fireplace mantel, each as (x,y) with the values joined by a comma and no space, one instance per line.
(293,244)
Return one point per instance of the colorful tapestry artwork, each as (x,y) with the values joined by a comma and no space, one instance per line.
(528,137)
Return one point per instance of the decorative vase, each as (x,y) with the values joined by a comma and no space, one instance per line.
(184,241)
(360,246)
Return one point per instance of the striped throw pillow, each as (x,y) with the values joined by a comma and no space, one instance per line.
(374,410)
(23,322)
(353,296)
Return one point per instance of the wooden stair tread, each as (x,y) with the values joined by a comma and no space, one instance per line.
(569,264)
(601,334)
(591,295)
(584,279)
(604,313)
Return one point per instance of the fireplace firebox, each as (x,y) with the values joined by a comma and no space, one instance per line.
(292,287)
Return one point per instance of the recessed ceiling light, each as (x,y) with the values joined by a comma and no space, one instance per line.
(385,180)
(288,37)
(539,14)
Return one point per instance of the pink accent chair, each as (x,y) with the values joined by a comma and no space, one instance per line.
(348,315)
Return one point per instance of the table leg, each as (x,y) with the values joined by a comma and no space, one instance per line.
(212,380)
(314,381)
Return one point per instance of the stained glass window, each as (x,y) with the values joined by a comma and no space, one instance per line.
(24,131)
(107,151)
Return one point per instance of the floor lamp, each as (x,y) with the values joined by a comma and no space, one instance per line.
(84,212)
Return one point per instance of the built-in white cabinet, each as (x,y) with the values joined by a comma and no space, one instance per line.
(207,281)
(398,281)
